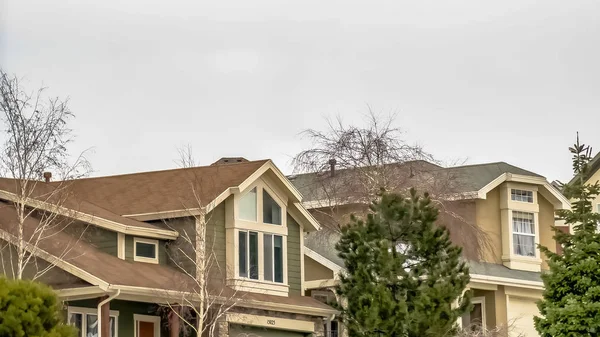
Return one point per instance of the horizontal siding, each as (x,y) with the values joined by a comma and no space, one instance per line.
(215,240)
(103,239)
(293,256)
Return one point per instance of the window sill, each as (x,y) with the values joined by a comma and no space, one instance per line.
(525,263)
(259,287)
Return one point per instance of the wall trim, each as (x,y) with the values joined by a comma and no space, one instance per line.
(323,260)
(274,323)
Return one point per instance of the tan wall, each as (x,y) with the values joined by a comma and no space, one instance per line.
(487,217)
(546,219)
(520,315)
(490,307)
(593,179)
(313,270)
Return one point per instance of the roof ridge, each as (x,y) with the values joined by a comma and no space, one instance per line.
(480,164)
(167,170)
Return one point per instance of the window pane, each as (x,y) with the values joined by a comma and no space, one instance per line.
(278,257)
(92,326)
(268,255)
(77,321)
(524,245)
(112,326)
(145,250)
(523,223)
(243,246)
(248,206)
(271,210)
(521,195)
(254,255)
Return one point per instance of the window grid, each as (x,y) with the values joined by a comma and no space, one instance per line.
(521,195)
(248,261)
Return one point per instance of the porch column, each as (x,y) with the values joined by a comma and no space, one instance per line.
(174,322)
(104,324)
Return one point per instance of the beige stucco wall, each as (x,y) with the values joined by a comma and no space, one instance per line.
(487,217)
(546,219)
(593,179)
(313,270)
(490,306)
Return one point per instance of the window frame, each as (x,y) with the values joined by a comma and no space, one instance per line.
(479,300)
(91,311)
(528,192)
(142,258)
(534,234)
(261,257)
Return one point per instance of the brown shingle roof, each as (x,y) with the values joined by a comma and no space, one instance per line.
(61,194)
(160,191)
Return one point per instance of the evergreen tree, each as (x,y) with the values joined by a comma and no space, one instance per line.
(571,298)
(30,309)
(403,274)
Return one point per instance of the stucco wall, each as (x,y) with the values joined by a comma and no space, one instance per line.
(487,217)
(546,219)
(313,270)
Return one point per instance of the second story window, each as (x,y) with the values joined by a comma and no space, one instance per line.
(523,233)
(521,195)
(145,250)
(271,210)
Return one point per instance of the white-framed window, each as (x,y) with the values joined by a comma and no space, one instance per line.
(145,325)
(523,224)
(145,250)
(475,319)
(259,199)
(250,265)
(86,321)
(521,195)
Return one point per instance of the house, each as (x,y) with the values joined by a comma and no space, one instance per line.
(131,253)
(504,212)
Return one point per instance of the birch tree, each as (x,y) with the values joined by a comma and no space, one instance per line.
(203,306)
(35,139)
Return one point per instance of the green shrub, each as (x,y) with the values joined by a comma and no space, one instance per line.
(29,309)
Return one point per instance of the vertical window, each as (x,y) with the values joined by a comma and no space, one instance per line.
(242,257)
(271,210)
(248,254)
(521,195)
(77,321)
(523,233)
(248,206)
(268,255)
(475,320)
(278,258)
(253,255)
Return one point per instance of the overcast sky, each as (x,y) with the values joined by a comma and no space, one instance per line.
(509,80)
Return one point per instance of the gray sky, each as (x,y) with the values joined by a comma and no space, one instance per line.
(509,80)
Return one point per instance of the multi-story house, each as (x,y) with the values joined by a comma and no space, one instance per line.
(512,210)
(130,261)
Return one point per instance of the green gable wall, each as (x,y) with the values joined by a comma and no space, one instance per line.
(293,255)
(101,238)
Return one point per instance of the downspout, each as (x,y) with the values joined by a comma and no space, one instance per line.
(110,298)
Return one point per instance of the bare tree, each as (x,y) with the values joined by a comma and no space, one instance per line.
(348,165)
(36,139)
(203,306)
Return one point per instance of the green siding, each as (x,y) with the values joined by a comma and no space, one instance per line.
(162,250)
(215,240)
(177,250)
(242,330)
(293,255)
(100,238)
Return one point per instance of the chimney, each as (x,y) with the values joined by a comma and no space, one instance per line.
(332,167)
(47,176)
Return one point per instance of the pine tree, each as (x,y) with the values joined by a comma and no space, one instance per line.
(571,298)
(403,274)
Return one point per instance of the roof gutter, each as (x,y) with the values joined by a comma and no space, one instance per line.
(110,298)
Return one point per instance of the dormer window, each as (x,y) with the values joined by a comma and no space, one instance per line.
(521,195)
(145,250)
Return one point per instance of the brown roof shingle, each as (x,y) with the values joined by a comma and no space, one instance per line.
(160,191)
